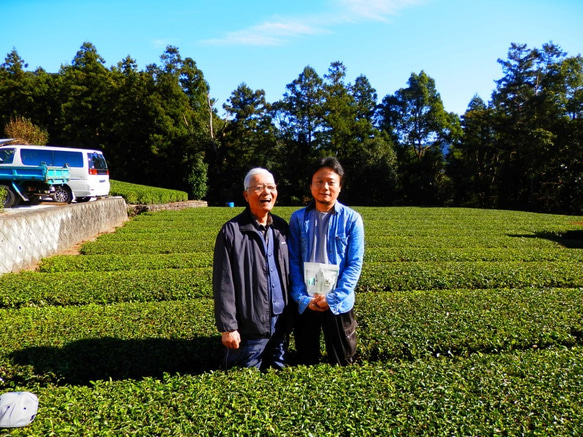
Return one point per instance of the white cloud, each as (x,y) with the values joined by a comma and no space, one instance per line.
(163,43)
(269,33)
(281,31)
(377,10)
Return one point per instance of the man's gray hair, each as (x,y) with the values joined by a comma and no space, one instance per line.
(253,172)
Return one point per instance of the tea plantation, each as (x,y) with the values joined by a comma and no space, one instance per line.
(470,324)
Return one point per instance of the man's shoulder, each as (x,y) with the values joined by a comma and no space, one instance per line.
(233,221)
(278,219)
(300,212)
(346,211)
(279,222)
(339,206)
(238,221)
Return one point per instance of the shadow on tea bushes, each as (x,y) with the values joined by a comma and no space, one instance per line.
(83,361)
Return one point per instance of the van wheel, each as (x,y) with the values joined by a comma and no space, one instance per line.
(10,198)
(63,194)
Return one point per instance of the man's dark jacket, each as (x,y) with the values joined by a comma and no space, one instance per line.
(242,299)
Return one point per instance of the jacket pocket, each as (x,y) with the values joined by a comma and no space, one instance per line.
(341,244)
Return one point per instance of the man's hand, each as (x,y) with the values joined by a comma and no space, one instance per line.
(232,339)
(319,303)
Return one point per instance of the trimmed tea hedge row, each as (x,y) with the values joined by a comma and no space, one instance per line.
(396,229)
(471,275)
(179,244)
(77,288)
(132,340)
(168,219)
(145,195)
(461,322)
(465,224)
(459,241)
(146,247)
(468,254)
(440,220)
(526,393)
(168,234)
(79,344)
(458,216)
(87,263)
(110,262)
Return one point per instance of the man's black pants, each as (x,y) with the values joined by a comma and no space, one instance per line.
(339,336)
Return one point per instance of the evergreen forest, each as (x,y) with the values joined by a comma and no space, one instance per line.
(160,126)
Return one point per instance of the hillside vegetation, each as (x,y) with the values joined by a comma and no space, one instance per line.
(470,323)
(162,126)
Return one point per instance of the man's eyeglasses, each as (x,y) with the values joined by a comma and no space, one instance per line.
(260,187)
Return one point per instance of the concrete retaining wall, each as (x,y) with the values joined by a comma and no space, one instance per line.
(29,234)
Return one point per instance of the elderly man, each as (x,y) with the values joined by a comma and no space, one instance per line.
(250,279)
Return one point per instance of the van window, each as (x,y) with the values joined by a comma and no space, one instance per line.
(36,156)
(72,159)
(6,155)
(57,158)
(97,163)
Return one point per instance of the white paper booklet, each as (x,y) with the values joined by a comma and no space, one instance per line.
(320,278)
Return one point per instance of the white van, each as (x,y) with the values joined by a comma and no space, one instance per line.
(88,168)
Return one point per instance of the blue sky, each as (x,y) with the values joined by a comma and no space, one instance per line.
(267,44)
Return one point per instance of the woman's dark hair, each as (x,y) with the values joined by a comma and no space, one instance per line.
(329,162)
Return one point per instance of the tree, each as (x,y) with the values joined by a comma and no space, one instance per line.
(133,113)
(570,174)
(473,162)
(365,101)
(301,111)
(372,176)
(200,138)
(85,93)
(339,114)
(181,133)
(298,118)
(197,179)
(16,89)
(415,119)
(248,140)
(533,114)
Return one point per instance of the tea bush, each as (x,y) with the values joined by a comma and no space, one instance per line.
(137,194)
(134,339)
(469,324)
(524,393)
